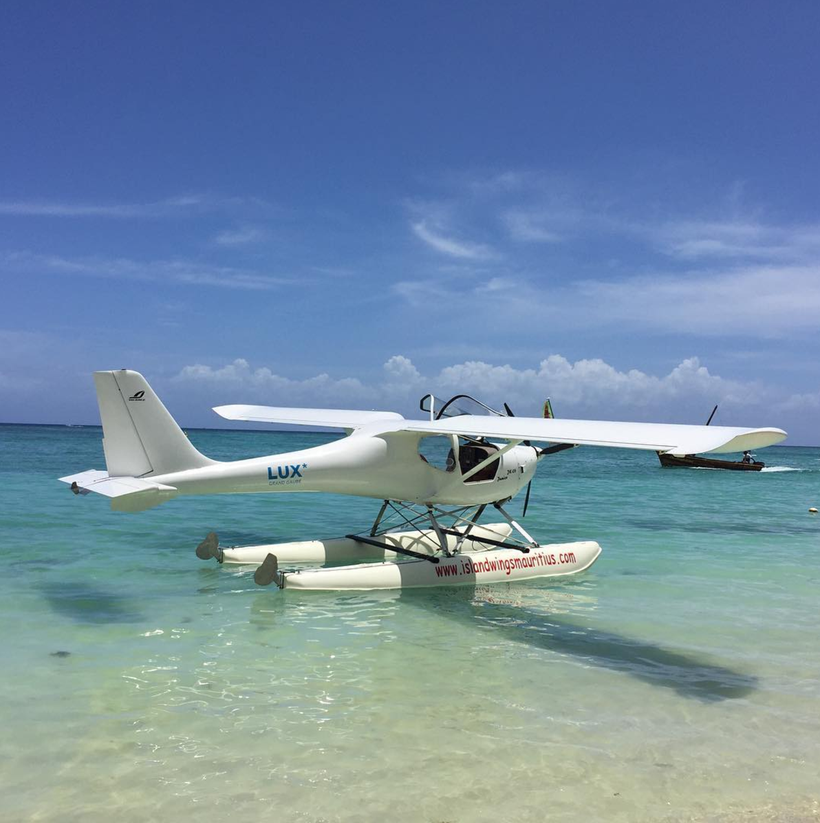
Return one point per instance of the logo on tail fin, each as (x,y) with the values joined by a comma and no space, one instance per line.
(140,395)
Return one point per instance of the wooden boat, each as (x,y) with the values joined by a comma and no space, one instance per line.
(692,461)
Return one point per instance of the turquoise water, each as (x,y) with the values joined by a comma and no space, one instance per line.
(678,679)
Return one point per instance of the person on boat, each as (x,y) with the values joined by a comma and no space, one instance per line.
(748,457)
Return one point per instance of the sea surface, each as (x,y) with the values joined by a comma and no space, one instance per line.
(678,679)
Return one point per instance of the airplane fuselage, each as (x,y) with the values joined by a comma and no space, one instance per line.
(365,465)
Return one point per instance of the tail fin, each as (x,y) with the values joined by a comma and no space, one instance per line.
(548,415)
(140,438)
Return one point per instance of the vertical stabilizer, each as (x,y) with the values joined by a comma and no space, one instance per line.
(140,438)
(548,413)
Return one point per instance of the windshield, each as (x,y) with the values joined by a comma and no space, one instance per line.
(455,406)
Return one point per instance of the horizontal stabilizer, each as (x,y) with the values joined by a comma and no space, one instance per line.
(663,437)
(329,418)
(128,494)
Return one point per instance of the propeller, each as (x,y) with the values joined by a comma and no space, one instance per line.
(529,485)
(558,447)
(526,500)
(510,414)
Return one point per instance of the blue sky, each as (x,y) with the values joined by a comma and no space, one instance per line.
(352,204)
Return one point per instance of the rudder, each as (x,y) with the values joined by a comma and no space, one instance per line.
(140,438)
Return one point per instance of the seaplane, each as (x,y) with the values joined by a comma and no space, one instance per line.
(435,477)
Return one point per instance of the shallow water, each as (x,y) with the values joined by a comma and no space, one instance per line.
(678,679)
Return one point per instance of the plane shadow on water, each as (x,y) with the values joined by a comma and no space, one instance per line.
(83,603)
(689,675)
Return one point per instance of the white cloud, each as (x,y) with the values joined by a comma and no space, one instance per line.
(590,388)
(594,385)
(808,402)
(263,385)
(533,227)
(500,182)
(170,207)
(240,236)
(177,271)
(754,301)
(738,239)
(449,245)
(537,207)
(400,369)
(749,301)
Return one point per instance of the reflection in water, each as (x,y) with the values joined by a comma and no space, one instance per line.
(267,609)
(86,604)
(516,619)
(348,612)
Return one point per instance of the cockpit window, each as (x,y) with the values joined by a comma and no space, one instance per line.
(437,450)
(471,454)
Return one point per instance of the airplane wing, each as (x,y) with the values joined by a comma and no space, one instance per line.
(329,418)
(662,437)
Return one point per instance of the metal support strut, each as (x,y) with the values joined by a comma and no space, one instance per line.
(398,549)
(515,525)
(460,521)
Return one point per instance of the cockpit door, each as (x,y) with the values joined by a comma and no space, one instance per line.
(472,454)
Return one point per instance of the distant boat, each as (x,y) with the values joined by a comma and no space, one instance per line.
(692,461)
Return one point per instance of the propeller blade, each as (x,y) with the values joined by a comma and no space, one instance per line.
(711,415)
(510,414)
(526,500)
(209,548)
(529,485)
(558,447)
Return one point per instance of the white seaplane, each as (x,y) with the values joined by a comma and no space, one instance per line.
(435,478)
